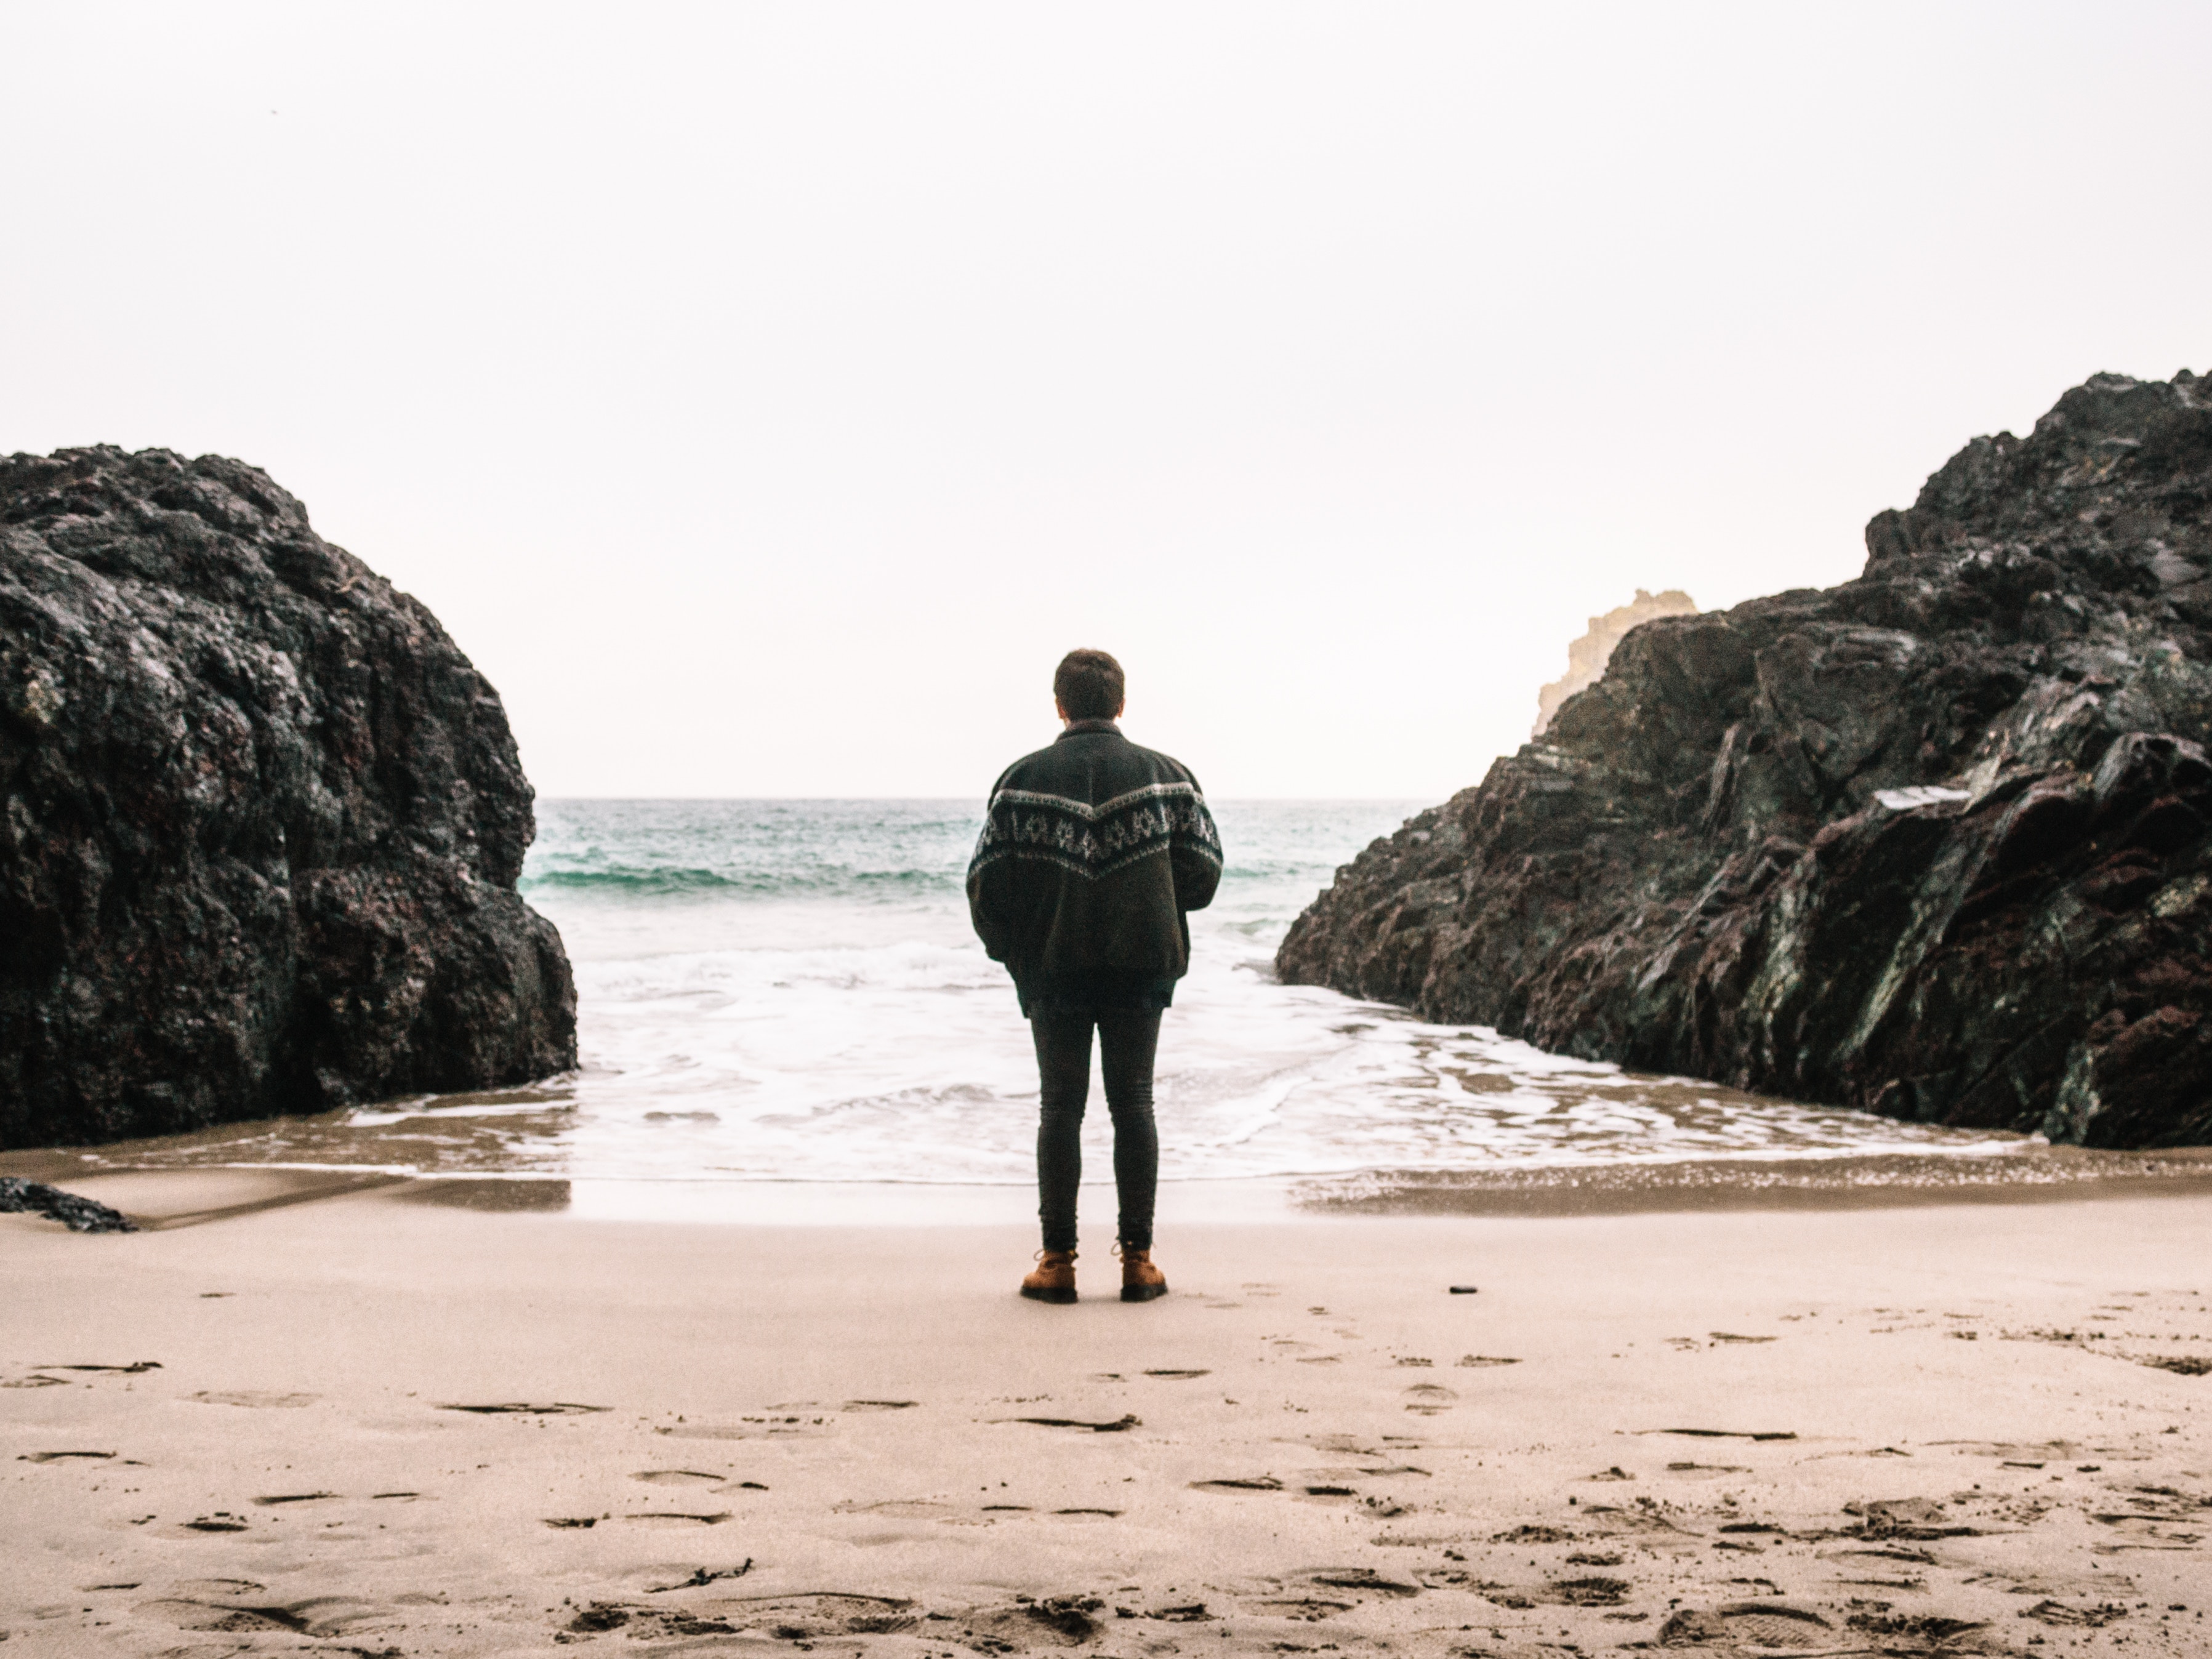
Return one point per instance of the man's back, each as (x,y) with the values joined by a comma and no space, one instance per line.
(1092,851)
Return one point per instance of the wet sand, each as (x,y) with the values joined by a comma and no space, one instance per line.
(319,1417)
(2033,1174)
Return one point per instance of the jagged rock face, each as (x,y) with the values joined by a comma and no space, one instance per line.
(260,820)
(1588,656)
(1933,842)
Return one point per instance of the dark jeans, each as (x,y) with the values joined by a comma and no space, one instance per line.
(1127,1039)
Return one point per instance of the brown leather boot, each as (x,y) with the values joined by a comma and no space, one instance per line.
(1140,1280)
(1053,1279)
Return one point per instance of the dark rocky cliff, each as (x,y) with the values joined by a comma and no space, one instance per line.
(1933,842)
(260,820)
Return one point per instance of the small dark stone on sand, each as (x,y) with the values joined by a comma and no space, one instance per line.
(79,1215)
(600,1616)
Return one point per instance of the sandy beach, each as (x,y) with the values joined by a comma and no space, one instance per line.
(372,1423)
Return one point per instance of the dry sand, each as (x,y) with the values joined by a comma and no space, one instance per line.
(366,1425)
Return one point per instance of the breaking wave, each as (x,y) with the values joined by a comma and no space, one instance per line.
(650,881)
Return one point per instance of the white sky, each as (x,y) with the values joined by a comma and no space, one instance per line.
(765,396)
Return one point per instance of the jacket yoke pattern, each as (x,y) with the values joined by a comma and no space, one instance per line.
(1095,841)
(1091,852)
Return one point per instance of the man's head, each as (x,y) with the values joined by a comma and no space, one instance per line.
(1087,685)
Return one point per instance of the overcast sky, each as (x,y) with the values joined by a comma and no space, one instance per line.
(765,396)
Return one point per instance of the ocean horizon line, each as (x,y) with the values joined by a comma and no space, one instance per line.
(803,800)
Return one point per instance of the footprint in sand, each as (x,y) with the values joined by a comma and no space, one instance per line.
(899,1509)
(1764,1625)
(230,1610)
(1588,1592)
(221,1521)
(1120,1424)
(783,1428)
(1362,1579)
(1427,1399)
(228,1618)
(1239,1484)
(1310,1609)
(808,1616)
(134,1368)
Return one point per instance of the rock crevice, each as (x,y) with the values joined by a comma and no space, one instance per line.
(1932,842)
(260,819)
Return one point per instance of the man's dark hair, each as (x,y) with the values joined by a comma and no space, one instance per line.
(1089,685)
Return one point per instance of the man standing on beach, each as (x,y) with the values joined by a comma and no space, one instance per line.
(1091,853)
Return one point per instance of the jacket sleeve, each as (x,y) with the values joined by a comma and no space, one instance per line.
(1194,850)
(987,873)
(987,910)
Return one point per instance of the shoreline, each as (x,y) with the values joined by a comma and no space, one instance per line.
(159,1195)
(2048,1175)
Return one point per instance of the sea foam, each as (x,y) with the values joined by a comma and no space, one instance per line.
(789,991)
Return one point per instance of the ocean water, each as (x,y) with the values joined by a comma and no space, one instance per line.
(788,991)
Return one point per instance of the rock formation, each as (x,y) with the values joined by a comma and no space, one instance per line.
(1932,842)
(78,1214)
(260,820)
(1588,656)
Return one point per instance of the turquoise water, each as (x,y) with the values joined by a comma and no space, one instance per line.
(789,991)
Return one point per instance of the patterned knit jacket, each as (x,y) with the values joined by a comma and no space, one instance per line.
(1091,853)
